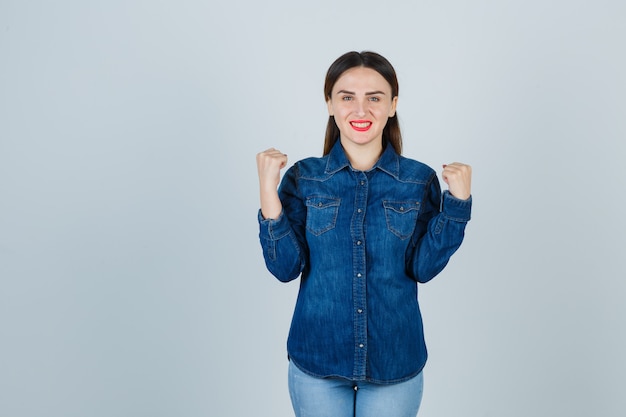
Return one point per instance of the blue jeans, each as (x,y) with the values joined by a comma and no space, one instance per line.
(336,397)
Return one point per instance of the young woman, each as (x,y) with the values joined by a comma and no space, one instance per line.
(361,226)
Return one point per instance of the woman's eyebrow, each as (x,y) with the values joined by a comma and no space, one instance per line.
(371,93)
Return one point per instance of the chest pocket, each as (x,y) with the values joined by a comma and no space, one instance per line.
(401,217)
(321,214)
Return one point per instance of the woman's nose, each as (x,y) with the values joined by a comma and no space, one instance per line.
(360,108)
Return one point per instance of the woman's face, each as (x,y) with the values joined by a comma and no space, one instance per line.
(361,103)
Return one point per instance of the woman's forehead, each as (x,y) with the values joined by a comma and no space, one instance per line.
(361,79)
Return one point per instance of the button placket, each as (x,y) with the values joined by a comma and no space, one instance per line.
(359,281)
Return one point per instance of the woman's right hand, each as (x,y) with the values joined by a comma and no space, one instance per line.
(269,163)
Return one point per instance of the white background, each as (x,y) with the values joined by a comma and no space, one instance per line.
(131,278)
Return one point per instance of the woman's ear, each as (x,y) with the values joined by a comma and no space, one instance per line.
(329,104)
(394,104)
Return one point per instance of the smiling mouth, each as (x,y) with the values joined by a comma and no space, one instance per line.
(360,125)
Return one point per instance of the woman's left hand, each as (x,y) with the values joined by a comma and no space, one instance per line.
(458,176)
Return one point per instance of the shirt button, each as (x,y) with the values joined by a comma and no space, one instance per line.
(359,275)
(359,311)
(358,242)
(359,210)
(362,182)
(361,345)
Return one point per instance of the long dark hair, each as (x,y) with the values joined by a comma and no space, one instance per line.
(366,59)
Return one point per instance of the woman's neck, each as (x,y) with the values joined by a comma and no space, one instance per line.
(363,157)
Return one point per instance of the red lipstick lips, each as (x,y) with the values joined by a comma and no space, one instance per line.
(361,125)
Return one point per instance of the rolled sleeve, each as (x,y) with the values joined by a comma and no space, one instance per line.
(282,253)
(273,229)
(456,209)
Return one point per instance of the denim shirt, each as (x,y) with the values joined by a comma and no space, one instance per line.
(360,241)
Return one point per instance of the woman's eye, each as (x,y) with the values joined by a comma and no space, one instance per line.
(347,98)
(374,99)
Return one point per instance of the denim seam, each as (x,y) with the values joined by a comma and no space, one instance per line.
(456,219)
(274,236)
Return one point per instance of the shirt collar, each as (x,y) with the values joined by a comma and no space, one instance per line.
(388,162)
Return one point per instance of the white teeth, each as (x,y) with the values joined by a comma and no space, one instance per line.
(361,125)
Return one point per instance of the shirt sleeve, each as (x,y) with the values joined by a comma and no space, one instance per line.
(283,239)
(444,218)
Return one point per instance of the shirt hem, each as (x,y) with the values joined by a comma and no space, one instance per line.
(353,379)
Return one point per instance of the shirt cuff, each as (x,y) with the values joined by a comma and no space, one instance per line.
(273,229)
(456,209)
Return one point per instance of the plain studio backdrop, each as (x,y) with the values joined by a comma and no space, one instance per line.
(131,278)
